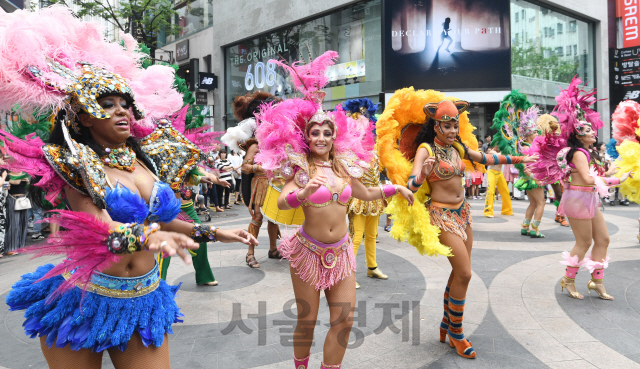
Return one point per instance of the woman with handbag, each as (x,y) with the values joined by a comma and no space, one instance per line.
(18,206)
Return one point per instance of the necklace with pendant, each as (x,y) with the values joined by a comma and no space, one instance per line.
(122,158)
(327,168)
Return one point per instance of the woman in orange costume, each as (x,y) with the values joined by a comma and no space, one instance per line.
(443,225)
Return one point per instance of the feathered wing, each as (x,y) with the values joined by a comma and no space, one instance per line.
(83,259)
(278,125)
(27,156)
(506,122)
(412,224)
(310,77)
(624,121)
(239,134)
(574,104)
(628,162)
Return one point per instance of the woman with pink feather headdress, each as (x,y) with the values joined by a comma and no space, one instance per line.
(106,294)
(565,157)
(322,156)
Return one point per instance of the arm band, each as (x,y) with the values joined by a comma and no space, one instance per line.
(292,199)
(129,238)
(201,233)
(611,181)
(389,190)
(494,159)
(413,185)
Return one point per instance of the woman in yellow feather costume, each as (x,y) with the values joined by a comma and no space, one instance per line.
(625,122)
(424,138)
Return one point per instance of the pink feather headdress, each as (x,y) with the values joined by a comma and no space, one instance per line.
(52,39)
(282,127)
(573,112)
(625,121)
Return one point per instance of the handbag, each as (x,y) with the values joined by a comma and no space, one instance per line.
(22,203)
(514,170)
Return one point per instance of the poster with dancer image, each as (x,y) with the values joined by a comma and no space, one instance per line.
(447,45)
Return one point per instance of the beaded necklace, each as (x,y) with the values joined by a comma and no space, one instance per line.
(327,168)
(444,153)
(120,158)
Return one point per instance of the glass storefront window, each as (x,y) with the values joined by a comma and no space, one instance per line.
(354,32)
(548,49)
(193,16)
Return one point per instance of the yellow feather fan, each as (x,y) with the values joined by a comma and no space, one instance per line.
(404,112)
(628,161)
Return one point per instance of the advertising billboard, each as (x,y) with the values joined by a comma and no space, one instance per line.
(447,44)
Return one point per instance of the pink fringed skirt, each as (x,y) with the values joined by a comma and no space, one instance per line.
(579,202)
(321,265)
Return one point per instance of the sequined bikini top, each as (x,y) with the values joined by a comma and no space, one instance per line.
(323,196)
(447,166)
(125,206)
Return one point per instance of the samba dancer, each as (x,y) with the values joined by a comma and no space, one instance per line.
(111,182)
(322,157)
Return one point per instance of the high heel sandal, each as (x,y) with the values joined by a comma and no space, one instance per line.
(463,346)
(569,279)
(597,275)
(563,286)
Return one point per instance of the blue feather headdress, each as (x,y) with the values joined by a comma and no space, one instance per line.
(363,106)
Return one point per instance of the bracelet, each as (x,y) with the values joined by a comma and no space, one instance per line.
(390,190)
(254,168)
(129,238)
(292,199)
(203,234)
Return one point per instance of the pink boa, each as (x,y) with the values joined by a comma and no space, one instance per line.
(83,243)
(26,156)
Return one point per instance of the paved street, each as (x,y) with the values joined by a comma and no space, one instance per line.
(515,315)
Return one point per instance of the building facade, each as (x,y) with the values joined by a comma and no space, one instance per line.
(550,42)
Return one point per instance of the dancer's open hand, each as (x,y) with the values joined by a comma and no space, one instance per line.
(172,243)
(428,165)
(530,159)
(236,235)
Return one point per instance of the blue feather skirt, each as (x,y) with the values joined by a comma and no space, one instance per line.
(95,320)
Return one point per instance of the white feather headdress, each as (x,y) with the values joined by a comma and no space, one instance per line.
(239,134)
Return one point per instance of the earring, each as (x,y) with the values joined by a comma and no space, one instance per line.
(440,128)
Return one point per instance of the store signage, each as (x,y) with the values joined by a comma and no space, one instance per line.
(207,81)
(182,50)
(627,10)
(201,98)
(437,44)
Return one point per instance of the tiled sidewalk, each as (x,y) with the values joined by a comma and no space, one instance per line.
(516,315)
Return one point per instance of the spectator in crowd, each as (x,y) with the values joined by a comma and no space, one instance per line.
(487,142)
(18,206)
(236,161)
(226,168)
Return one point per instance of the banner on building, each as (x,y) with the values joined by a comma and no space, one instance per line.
(447,44)
(627,23)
